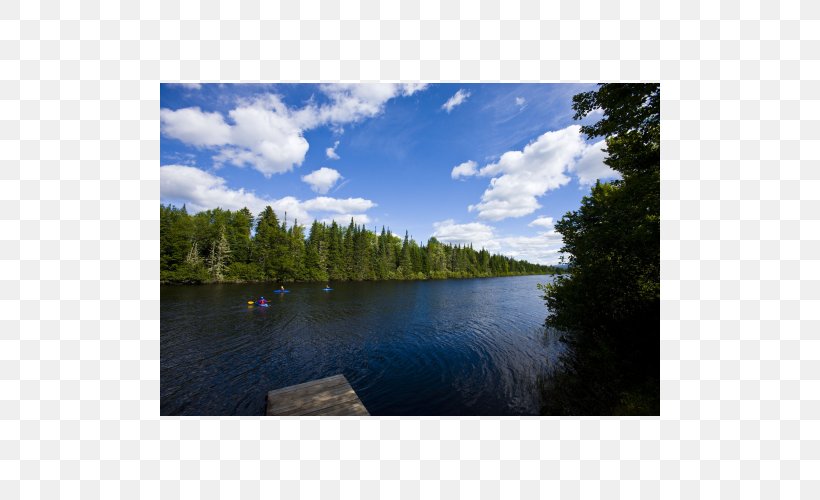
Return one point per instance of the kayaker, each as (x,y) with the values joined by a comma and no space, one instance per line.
(262,300)
(282,288)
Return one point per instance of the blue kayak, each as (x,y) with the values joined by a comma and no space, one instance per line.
(281,291)
(327,289)
(264,305)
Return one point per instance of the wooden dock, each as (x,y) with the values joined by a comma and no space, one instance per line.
(327,396)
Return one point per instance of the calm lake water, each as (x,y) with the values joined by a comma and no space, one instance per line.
(454,347)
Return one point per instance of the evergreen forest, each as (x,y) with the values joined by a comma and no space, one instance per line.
(217,246)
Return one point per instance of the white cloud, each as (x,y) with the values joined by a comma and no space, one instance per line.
(201,190)
(192,86)
(520,101)
(322,180)
(269,136)
(545,222)
(263,135)
(448,231)
(519,178)
(349,103)
(457,99)
(542,248)
(266,129)
(352,102)
(344,219)
(590,166)
(331,152)
(465,169)
(523,176)
(338,205)
(195,127)
(408,89)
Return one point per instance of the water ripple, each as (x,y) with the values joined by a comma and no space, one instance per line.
(459,347)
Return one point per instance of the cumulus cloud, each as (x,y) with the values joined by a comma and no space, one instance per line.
(265,128)
(349,103)
(263,135)
(192,86)
(465,169)
(195,127)
(520,101)
(545,222)
(331,152)
(201,190)
(519,178)
(322,180)
(590,166)
(463,234)
(457,99)
(344,219)
(338,205)
(543,248)
(268,135)
(523,176)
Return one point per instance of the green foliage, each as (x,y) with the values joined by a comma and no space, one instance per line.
(631,124)
(219,246)
(244,271)
(608,303)
(220,256)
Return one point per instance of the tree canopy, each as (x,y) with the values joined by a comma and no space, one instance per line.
(608,303)
(225,246)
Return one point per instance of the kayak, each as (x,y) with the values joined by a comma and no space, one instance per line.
(327,289)
(264,305)
(281,291)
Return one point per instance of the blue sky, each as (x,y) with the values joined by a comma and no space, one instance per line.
(489,164)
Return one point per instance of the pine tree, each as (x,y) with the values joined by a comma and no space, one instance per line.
(276,252)
(220,253)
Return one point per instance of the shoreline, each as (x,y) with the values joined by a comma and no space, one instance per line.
(248,282)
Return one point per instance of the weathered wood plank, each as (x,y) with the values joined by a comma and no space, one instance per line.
(329,381)
(351,408)
(308,391)
(327,396)
(314,402)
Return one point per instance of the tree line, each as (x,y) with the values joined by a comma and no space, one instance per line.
(608,303)
(219,245)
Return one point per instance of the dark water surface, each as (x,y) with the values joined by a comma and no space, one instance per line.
(454,347)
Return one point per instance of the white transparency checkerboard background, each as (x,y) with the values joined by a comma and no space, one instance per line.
(79,297)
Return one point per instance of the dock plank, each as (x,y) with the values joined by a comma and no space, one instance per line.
(307,392)
(312,403)
(324,382)
(327,396)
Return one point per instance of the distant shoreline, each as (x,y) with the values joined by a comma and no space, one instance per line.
(246,282)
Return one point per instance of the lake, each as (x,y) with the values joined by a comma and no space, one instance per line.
(452,347)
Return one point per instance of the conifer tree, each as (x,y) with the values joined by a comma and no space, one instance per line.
(276,252)
(220,253)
